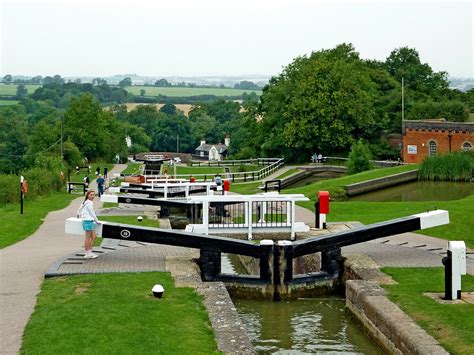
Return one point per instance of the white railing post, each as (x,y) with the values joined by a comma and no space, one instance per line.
(249,219)
(205,216)
(186,191)
(293,217)
(165,191)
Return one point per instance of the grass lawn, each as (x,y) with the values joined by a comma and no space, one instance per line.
(195,170)
(8,102)
(146,222)
(16,226)
(288,173)
(79,177)
(132,168)
(10,89)
(117,314)
(451,324)
(246,188)
(182,91)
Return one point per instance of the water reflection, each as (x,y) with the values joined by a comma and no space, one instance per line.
(419,191)
(305,326)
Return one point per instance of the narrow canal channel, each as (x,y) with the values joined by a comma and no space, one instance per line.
(305,326)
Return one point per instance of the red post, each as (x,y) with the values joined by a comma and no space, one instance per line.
(226,186)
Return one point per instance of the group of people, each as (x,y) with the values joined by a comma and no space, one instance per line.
(317,158)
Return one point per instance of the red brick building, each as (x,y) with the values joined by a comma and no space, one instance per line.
(427,138)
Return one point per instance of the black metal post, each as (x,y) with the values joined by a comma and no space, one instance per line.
(21,200)
(316,215)
(448,282)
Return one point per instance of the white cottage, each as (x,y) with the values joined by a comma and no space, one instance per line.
(213,151)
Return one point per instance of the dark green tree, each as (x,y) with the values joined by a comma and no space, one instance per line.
(13,139)
(162,83)
(359,158)
(319,103)
(21,91)
(125,82)
(168,109)
(7,79)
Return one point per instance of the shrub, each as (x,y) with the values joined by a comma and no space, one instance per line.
(359,158)
(40,183)
(457,166)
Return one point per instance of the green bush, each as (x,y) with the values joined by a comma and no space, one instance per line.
(40,183)
(458,166)
(359,158)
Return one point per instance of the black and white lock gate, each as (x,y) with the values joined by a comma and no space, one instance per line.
(275,259)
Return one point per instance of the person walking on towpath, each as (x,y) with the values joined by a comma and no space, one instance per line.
(100,185)
(89,220)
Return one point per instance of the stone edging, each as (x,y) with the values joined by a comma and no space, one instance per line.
(383,321)
(231,337)
(375,184)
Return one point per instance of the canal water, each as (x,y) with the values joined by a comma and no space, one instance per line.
(305,326)
(419,191)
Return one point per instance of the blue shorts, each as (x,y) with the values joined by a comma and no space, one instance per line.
(88,225)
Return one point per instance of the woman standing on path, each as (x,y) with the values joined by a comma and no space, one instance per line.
(89,220)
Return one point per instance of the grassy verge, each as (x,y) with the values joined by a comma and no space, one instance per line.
(116,313)
(288,173)
(132,168)
(186,91)
(146,222)
(451,324)
(246,188)
(16,226)
(79,177)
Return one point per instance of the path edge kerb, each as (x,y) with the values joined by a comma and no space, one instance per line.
(381,319)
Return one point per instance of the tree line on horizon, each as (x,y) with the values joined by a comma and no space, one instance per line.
(324,102)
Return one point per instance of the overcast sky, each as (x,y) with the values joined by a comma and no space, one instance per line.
(219,37)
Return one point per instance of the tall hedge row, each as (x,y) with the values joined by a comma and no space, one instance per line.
(40,183)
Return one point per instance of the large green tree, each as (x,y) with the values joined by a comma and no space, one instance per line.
(94,131)
(13,139)
(322,103)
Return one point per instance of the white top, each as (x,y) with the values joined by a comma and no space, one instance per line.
(86,211)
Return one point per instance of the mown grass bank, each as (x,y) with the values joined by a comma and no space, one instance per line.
(16,226)
(117,314)
(451,324)
(146,222)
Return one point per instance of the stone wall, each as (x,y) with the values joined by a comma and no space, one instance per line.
(380,183)
(382,320)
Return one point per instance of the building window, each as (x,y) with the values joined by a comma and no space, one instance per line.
(466,146)
(432,148)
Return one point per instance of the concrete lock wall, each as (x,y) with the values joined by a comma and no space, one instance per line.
(376,184)
(382,320)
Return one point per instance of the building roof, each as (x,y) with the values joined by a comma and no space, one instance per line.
(438,125)
(221,148)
